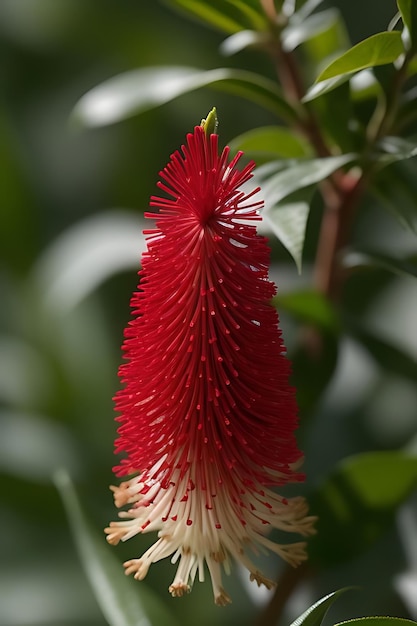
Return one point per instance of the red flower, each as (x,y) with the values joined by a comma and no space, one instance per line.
(207,414)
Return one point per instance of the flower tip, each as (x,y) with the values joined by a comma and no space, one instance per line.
(177,590)
(137,567)
(113,536)
(210,123)
(222,598)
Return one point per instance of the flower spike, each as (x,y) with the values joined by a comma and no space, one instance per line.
(206,412)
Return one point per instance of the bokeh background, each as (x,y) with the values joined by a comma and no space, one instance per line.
(72,201)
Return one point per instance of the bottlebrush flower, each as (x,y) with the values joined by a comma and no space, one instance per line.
(207,416)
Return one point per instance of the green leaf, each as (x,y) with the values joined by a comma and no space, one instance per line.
(307,9)
(229,17)
(309,307)
(364,85)
(396,189)
(357,503)
(105,244)
(395,149)
(288,220)
(123,601)
(297,33)
(371,260)
(379,49)
(325,86)
(325,45)
(377,621)
(288,223)
(32,446)
(139,90)
(314,615)
(314,361)
(271,142)
(408,10)
(387,355)
(407,112)
(314,358)
(240,41)
(334,112)
(299,175)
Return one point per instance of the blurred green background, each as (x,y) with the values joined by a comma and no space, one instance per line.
(71,210)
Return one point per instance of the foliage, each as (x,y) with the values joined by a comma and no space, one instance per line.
(335,140)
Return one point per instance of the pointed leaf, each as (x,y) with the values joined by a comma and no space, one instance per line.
(312,369)
(377,621)
(370,260)
(387,355)
(297,33)
(358,502)
(301,174)
(408,10)
(288,222)
(229,17)
(396,149)
(328,43)
(378,49)
(123,601)
(309,307)
(240,41)
(307,9)
(324,86)
(32,446)
(86,255)
(139,90)
(271,142)
(316,613)
(396,190)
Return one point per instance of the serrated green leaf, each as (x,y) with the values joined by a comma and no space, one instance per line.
(314,615)
(377,621)
(271,142)
(139,90)
(229,17)
(408,10)
(358,501)
(379,49)
(371,260)
(123,601)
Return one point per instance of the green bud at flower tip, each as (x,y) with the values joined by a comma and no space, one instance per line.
(210,123)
